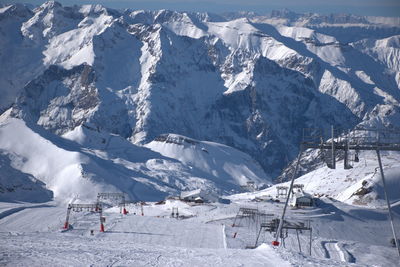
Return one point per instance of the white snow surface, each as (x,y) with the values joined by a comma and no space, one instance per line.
(346,185)
(203,235)
(212,158)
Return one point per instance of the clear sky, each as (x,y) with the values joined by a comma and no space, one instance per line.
(359,7)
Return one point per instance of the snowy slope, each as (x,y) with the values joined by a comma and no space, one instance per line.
(360,186)
(19,186)
(61,170)
(86,162)
(210,157)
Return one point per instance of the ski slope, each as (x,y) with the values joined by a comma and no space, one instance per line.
(129,240)
(343,235)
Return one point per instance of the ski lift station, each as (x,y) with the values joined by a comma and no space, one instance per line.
(300,198)
(304,200)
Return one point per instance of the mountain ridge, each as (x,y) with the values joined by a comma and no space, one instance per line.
(252,83)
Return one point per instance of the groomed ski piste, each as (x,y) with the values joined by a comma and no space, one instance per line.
(202,235)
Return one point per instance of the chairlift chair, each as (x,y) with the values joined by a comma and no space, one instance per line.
(356,158)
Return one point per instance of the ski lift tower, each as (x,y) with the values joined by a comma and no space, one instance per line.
(85,207)
(358,140)
(249,213)
(298,226)
(116,197)
(281,191)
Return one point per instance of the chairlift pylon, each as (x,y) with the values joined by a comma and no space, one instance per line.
(362,139)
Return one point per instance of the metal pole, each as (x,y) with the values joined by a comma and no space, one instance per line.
(101,219)
(310,238)
(298,239)
(234,221)
(258,236)
(66,224)
(279,230)
(387,201)
(346,152)
(333,148)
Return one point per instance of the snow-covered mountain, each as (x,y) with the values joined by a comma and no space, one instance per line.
(86,161)
(248,81)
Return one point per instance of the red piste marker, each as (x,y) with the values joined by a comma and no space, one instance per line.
(275,243)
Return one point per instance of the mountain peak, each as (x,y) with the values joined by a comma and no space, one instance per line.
(48,6)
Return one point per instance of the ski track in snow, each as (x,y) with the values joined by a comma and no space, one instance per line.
(11,211)
(332,251)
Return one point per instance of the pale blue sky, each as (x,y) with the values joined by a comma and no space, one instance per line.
(359,7)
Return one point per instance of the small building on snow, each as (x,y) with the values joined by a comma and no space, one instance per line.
(199,196)
(302,200)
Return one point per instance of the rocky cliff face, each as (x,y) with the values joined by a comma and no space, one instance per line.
(252,83)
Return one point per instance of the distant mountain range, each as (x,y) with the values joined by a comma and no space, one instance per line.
(245,80)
